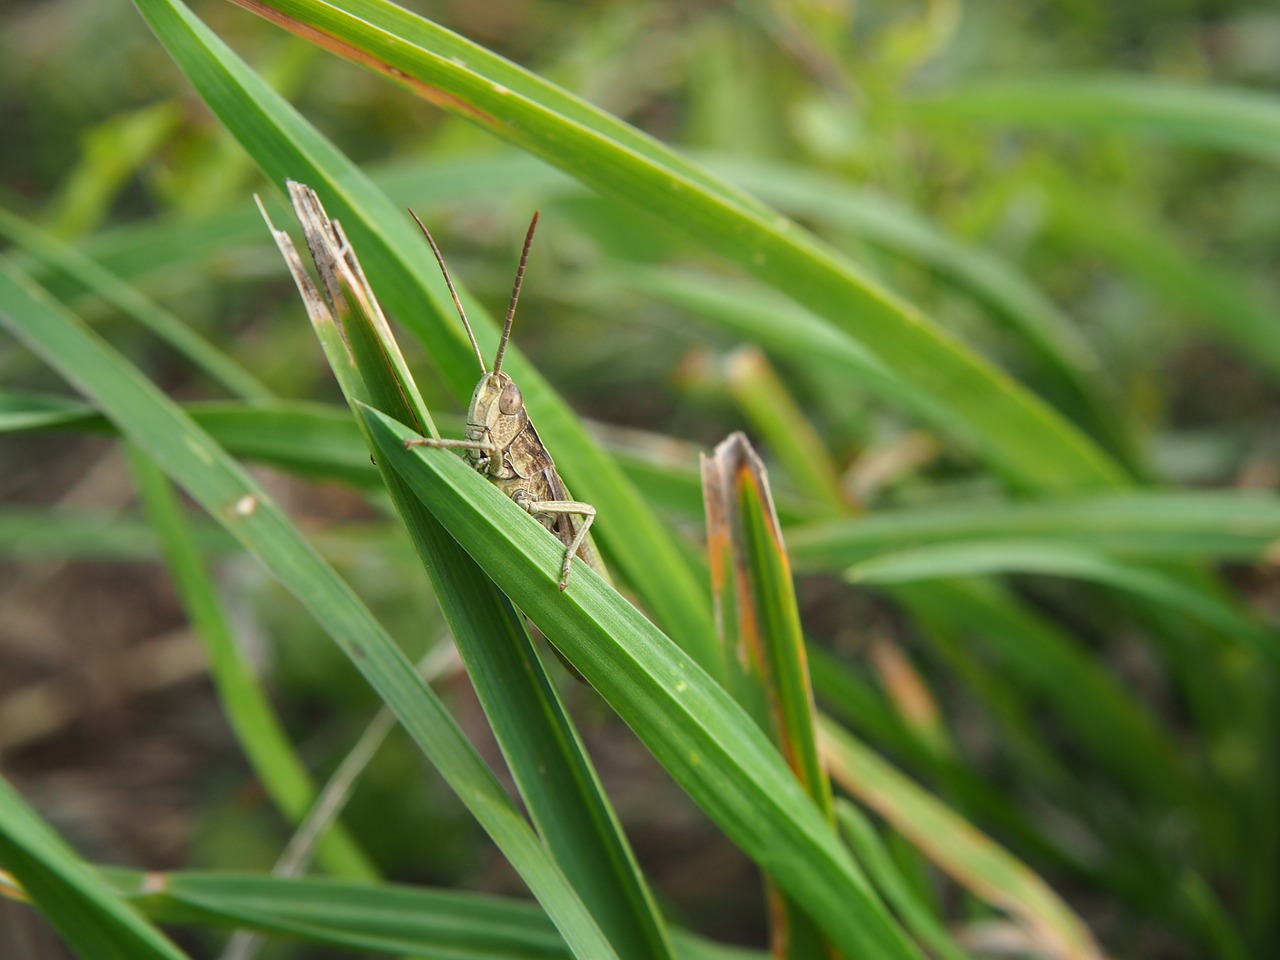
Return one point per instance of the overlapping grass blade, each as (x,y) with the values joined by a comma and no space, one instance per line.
(257,728)
(401,268)
(1019,435)
(764,650)
(385,918)
(711,747)
(1225,302)
(1151,524)
(84,910)
(130,301)
(1066,366)
(555,777)
(871,851)
(1171,590)
(956,846)
(221,486)
(1232,119)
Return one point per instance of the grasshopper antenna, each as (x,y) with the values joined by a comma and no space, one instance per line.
(515,294)
(454,293)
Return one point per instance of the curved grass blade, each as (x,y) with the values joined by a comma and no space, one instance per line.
(128,300)
(784,427)
(1066,362)
(87,914)
(401,268)
(1021,437)
(1171,591)
(259,731)
(221,486)
(871,850)
(1151,524)
(707,743)
(1241,120)
(1036,656)
(764,653)
(163,245)
(956,846)
(386,918)
(1226,303)
(767,648)
(555,778)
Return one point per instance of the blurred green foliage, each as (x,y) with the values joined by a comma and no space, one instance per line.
(1042,180)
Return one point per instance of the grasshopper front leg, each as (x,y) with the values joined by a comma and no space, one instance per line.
(489,450)
(570,507)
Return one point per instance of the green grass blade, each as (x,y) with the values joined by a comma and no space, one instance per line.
(745,540)
(713,749)
(1226,302)
(1152,524)
(1043,661)
(1239,120)
(1166,589)
(128,300)
(221,486)
(547,759)
(401,269)
(956,846)
(1021,436)
(764,652)
(353,916)
(87,914)
(386,918)
(784,427)
(1068,367)
(871,852)
(248,711)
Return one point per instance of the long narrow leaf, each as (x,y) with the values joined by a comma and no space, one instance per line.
(82,908)
(221,486)
(401,269)
(1020,435)
(556,779)
(973,859)
(385,918)
(258,729)
(764,646)
(1241,120)
(711,747)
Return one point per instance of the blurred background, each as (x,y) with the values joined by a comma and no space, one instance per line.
(1158,257)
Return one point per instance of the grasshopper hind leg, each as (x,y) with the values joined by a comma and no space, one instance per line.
(563,507)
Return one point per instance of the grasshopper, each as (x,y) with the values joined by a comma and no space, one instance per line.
(502,444)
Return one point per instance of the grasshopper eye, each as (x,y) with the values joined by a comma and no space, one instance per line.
(510,401)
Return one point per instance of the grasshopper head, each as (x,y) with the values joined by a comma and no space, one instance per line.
(497,409)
